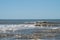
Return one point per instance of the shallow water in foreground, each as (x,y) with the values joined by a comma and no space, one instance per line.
(27,39)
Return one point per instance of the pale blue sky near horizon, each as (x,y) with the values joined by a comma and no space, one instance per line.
(29,9)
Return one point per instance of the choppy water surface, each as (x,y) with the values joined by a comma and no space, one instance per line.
(12,26)
(26,39)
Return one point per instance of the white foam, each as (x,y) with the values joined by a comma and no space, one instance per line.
(15,27)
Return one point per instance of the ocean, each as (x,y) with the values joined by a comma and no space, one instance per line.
(16,27)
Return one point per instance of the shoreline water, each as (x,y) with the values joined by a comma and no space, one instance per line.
(25,29)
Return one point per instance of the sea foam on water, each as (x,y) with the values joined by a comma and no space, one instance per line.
(14,27)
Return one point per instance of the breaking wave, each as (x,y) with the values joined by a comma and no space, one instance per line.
(15,27)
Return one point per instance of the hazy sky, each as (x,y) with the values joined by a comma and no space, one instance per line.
(29,9)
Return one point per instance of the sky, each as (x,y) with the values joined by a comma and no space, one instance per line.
(29,9)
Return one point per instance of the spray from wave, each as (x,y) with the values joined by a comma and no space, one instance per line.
(14,27)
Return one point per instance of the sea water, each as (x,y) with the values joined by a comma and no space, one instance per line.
(26,39)
(5,24)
